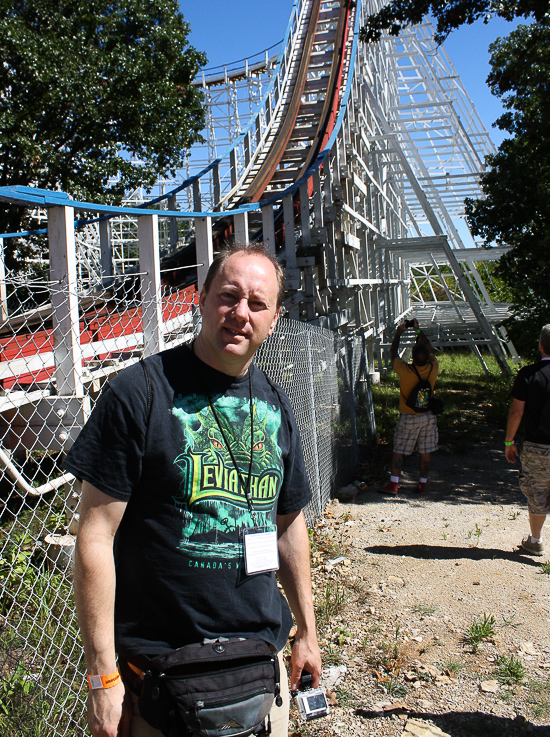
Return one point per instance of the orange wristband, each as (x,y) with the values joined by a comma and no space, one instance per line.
(96,682)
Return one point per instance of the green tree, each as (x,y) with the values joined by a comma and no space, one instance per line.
(516,208)
(399,14)
(95,97)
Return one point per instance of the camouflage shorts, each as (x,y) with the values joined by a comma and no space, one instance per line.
(534,478)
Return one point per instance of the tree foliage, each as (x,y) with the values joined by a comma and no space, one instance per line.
(516,208)
(398,14)
(87,89)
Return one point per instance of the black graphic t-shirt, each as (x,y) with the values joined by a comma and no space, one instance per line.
(532,386)
(178,550)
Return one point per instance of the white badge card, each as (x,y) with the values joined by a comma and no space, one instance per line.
(261,552)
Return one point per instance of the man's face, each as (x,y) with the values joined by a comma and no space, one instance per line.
(238,312)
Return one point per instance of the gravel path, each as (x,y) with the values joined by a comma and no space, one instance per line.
(399,582)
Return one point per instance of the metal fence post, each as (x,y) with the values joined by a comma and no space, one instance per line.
(151,297)
(173,224)
(106,248)
(204,247)
(66,329)
(3,290)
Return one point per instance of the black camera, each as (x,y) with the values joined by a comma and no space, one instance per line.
(312,702)
(409,323)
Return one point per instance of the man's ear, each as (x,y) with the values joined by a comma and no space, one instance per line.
(202,297)
(272,327)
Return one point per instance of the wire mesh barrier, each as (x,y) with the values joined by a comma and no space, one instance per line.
(52,369)
(320,373)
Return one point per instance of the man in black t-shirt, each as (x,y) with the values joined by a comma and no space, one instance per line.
(179,458)
(531,400)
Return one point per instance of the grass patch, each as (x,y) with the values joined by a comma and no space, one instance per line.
(333,602)
(344,696)
(332,656)
(539,698)
(453,666)
(422,607)
(545,568)
(392,687)
(480,630)
(510,670)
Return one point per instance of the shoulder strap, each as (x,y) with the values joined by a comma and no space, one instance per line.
(149,388)
(416,372)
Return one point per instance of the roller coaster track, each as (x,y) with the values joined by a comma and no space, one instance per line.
(312,100)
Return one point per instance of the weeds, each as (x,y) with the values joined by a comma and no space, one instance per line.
(333,602)
(510,670)
(480,630)
(342,635)
(545,567)
(510,621)
(332,656)
(453,666)
(477,532)
(392,687)
(343,696)
(539,698)
(421,607)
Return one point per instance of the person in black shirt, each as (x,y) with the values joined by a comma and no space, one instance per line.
(166,460)
(531,401)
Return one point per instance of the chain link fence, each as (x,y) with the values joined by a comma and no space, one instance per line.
(59,345)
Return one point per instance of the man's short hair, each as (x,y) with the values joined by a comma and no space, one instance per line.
(259,249)
(545,339)
(420,354)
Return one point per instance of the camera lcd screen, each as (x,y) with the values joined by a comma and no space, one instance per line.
(316,702)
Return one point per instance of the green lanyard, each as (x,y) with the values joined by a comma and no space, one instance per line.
(245,487)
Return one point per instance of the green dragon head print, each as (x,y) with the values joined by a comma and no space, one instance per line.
(213,502)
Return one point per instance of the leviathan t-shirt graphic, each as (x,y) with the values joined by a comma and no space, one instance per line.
(213,503)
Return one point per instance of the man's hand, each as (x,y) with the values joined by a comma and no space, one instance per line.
(511,452)
(305,656)
(109,712)
(416,326)
(401,329)
(515,414)
(295,576)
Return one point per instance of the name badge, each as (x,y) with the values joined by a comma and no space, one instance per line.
(261,552)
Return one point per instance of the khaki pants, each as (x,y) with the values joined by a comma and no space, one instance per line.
(279,714)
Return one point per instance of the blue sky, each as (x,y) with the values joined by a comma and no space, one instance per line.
(229,30)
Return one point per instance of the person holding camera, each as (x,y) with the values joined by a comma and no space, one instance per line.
(416,427)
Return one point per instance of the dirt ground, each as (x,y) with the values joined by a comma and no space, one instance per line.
(432,621)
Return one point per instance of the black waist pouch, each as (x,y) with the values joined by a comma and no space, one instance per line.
(214,688)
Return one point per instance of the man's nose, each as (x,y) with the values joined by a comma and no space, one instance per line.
(241,309)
